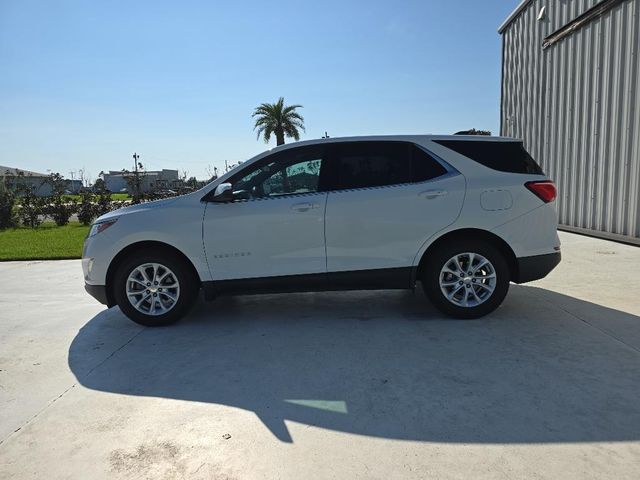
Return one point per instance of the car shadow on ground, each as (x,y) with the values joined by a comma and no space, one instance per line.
(383,364)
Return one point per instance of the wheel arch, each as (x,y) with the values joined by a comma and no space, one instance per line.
(475,234)
(141,246)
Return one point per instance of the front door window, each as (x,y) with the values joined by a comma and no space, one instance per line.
(290,173)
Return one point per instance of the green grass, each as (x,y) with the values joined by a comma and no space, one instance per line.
(114,196)
(120,196)
(76,197)
(47,242)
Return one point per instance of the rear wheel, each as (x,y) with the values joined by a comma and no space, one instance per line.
(466,279)
(155,288)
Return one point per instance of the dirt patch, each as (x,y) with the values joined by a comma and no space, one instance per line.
(150,460)
(162,461)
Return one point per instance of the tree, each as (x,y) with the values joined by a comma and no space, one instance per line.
(7,205)
(60,208)
(135,180)
(279,120)
(100,185)
(57,183)
(31,206)
(192,183)
(212,172)
(87,209)
(473,131)
(84,177)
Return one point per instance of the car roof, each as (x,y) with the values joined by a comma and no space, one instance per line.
(401,138)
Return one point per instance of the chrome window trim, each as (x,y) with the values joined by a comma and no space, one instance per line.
(275,197)
(450,172)
(395,185)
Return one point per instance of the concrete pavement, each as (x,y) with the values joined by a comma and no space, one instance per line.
(331,385)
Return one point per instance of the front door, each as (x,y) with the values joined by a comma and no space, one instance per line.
(275,225)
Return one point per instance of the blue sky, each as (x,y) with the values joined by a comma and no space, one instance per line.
(85,84)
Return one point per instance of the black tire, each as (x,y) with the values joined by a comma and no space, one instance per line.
(184,274)
(431,271)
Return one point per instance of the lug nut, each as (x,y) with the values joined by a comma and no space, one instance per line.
(155,294)
(148,291)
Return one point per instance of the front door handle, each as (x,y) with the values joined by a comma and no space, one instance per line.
(431,194)
(303,207)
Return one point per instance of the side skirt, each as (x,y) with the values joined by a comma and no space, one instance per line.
(379,279)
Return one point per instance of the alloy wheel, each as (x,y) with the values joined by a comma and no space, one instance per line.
(467,279)
(153,289)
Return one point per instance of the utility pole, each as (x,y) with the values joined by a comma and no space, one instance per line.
(135,169)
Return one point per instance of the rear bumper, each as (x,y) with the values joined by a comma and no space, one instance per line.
(536,267)
(99,292)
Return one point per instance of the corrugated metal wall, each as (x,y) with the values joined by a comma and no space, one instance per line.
(576,104)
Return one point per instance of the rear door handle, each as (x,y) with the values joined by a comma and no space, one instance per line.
(303,207)
(431,194)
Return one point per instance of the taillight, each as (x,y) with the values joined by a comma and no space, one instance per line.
(545,190)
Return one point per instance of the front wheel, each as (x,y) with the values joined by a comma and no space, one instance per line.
(154,288)
(466,279)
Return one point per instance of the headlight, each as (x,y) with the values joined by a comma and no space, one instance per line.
(97,228)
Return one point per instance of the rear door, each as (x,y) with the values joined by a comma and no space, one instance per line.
(386,199)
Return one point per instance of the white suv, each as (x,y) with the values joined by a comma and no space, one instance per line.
(464,215)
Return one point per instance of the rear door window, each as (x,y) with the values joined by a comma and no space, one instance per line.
(371,164)
(423,166)
(502,156)
(377,164)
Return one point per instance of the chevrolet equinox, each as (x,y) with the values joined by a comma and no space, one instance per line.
(462,215)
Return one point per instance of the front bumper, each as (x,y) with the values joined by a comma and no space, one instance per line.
(99,292)
(536,267)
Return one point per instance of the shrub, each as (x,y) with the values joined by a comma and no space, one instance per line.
(87,210)
(103,204)
(58,209)
(473,131)
(31,210)
(61,211)
(7,212)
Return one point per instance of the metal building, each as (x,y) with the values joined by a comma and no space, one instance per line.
(571,91)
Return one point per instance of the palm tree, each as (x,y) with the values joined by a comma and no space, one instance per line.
(279,120)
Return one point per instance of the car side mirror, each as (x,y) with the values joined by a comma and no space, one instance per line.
(223,193)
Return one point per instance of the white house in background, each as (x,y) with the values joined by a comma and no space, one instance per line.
(35,180)
(149,180)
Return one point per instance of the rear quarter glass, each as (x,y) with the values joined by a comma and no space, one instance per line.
(508,157)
